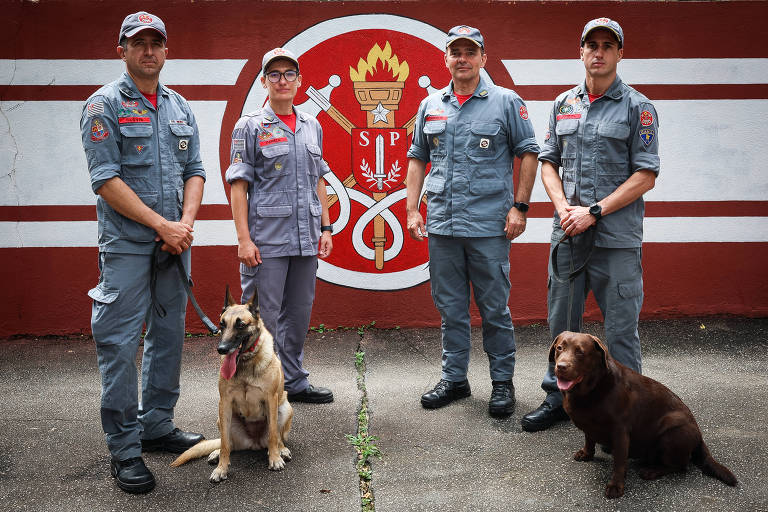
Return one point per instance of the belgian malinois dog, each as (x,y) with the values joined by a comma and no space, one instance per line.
(254,412)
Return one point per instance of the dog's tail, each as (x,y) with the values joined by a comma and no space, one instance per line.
(201,449)
(710,467)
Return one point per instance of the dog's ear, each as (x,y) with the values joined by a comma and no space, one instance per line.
(253,303)
(228,300)
(600,346)
(552,347)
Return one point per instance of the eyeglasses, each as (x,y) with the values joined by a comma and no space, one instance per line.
(290,76)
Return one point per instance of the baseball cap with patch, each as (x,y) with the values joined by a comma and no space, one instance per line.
(138,21)
(278,53)
(465,32)
(605,23)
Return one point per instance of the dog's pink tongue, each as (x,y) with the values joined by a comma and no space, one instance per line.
(229,366)
(565,385)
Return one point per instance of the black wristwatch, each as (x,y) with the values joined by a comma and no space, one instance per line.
(523,207)
(326,228)
(597,211)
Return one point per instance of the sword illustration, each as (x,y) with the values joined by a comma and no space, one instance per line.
(379,174)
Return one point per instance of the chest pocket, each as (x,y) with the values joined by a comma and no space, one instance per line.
(182,137)
(315,157)
(275,160)
(435,134)
(566,134)
(485,141)
(137,145)
(614,142)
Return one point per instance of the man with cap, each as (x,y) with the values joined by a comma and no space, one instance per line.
(604,136)
(280,209)
(143,152)
(470,132)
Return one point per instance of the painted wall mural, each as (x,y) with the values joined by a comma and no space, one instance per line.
(366,66)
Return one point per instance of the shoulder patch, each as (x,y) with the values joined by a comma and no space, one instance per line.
(95,108)
(646,118)
(523,113)
(238,144)
(647,135)
(98,131)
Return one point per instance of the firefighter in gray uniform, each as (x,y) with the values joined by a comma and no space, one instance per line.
(471,131)
(143,152)
(604,136)
(280,209)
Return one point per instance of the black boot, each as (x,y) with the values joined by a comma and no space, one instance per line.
(444,393)
(175,441)
(132,475)
(502,401)
(543,417)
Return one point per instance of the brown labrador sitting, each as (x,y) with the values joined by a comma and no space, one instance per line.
(631,415)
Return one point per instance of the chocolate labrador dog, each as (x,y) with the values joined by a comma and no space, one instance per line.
(629,414)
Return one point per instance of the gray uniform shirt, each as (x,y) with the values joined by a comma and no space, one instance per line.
(153,150)
(599,146)
(282,169)
(472,149)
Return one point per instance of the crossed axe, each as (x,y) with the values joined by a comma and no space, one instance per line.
(319,100)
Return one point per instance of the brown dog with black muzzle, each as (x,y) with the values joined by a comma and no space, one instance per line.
(254,412)
(629,414)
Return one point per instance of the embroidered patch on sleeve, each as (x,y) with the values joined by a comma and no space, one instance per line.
(647,135)
(524,113)
(238,144)
(98,131)
(646,118)
(95,109)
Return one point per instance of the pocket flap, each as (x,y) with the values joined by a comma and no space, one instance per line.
(566,126)
(435,185)
(102,294)
(148,198)
(274,150)
(434,127)
(136,130)
(182,130)
(282,210)
(481,187)
(481,128)
(314,149)
(315,209)
(627,290)
(613,130)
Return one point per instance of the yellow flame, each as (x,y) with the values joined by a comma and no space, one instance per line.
(399,69)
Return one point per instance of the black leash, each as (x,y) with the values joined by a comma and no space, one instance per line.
(572,272)
(174,259)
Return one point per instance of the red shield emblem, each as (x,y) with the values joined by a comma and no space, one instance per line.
(379,161)
(366,99)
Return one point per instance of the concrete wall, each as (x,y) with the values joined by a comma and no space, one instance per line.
(705,66)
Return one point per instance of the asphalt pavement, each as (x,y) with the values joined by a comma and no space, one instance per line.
(458,458)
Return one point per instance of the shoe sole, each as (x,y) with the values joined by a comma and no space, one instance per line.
(432,405)
(538,427)
(133,488)
(317,401)
(501,411)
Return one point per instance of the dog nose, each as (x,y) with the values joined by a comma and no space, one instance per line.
(223,348)
(562,367)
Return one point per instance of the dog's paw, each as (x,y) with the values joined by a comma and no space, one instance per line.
(583,455)
(614,490)
(285,453)
(650,473)
(277,464)
(213,458)
(218,475)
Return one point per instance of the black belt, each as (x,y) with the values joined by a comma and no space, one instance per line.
(172,259)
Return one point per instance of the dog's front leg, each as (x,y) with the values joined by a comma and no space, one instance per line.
(276,462)
(588,452)
(615,488)
(225,423)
